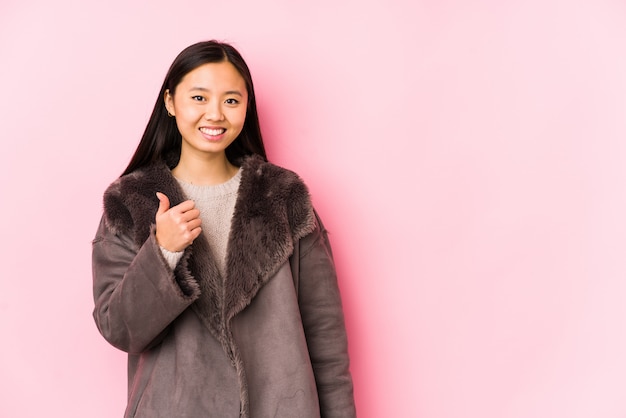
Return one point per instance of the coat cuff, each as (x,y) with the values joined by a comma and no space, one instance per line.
(171,257)
(179,264)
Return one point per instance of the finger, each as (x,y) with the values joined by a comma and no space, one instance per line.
(186,229)
(190,215)
(185,206)
(195,233)
(189,236)
(164,203)
(193,224)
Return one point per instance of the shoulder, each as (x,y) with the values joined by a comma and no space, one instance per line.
(129,203)
(264,180)
(132,184)
(278,192)
(266,173)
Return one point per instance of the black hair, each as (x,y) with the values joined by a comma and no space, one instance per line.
(161,137)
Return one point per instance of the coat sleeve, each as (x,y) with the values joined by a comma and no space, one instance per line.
(323,321)
(136,294)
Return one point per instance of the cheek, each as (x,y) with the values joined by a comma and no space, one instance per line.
(239,118)
(185,120)
(243,118)
(243,114)
(187,115)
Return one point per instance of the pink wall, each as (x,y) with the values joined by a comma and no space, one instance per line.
(468,159)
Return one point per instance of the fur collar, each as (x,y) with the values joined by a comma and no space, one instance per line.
(273,211)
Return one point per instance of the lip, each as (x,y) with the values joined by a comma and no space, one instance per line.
(210,137)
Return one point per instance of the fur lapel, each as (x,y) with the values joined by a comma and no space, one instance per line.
(273,211)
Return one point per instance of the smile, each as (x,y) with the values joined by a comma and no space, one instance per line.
(212,132)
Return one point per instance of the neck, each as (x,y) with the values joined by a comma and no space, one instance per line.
(206,170)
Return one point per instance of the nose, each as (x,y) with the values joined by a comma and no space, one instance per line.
(213,111)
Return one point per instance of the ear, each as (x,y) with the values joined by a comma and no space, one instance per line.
(169,102)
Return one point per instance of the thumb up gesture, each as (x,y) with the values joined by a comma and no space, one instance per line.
(176,227)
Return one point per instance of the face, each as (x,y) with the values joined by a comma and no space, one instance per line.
(209,105)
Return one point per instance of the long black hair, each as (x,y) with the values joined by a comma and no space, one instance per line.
(162,138)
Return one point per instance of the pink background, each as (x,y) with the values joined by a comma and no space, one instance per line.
(468,158)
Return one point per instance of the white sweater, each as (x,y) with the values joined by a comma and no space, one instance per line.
(216,205)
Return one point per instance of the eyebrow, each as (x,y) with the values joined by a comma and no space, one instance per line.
(236,92)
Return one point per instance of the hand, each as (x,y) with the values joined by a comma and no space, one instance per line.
(176,227)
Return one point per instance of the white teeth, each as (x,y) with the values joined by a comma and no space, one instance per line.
(212,132)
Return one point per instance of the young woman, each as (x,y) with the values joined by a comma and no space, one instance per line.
(211,268)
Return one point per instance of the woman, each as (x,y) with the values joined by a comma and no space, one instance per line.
(211,267)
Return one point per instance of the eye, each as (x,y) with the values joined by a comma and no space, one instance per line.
(197,98)
(231,101)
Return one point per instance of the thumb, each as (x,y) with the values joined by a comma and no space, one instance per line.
(164,203)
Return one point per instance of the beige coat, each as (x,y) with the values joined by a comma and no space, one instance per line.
(266,340)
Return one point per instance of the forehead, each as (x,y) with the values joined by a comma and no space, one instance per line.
(218,76)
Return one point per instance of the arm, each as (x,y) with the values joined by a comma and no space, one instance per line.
(322,318)
(136,294)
